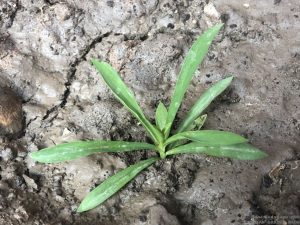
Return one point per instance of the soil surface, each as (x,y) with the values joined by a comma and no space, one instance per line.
(45,52)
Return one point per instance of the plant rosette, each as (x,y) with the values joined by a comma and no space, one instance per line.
(186,138)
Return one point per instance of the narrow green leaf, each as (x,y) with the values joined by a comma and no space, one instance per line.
(206,98)
(209,137)
(113,184)
(161,116)
(125,96)
(242,151)
(191,62)
(74,150)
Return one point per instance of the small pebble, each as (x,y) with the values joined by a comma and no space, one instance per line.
(22,154)
(30,182)
(246,5)
(6,154)
(56,177)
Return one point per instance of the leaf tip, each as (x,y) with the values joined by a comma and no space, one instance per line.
(262,155)
(230,78)
(81,209)
(257,154)
(227,81)
(94,61)
(34,156)
(31,155)
(38,156)
(218,26)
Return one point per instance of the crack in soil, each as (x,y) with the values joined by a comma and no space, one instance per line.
(72,72)
(13,15)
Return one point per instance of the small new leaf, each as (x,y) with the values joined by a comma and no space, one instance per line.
(113,184)
(198,123)
(242,151)
(206,98)
(74,150)
(208,137)
(161,116)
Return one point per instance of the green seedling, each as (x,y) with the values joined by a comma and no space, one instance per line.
(187,138)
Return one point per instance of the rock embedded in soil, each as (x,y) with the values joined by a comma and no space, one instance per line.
(10,112)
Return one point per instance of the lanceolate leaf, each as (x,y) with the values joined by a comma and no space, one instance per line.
(208,137)
(113,184)
(74,150)
(125,96)
(161,116)
(206,98)
(242,151)
(191,62)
